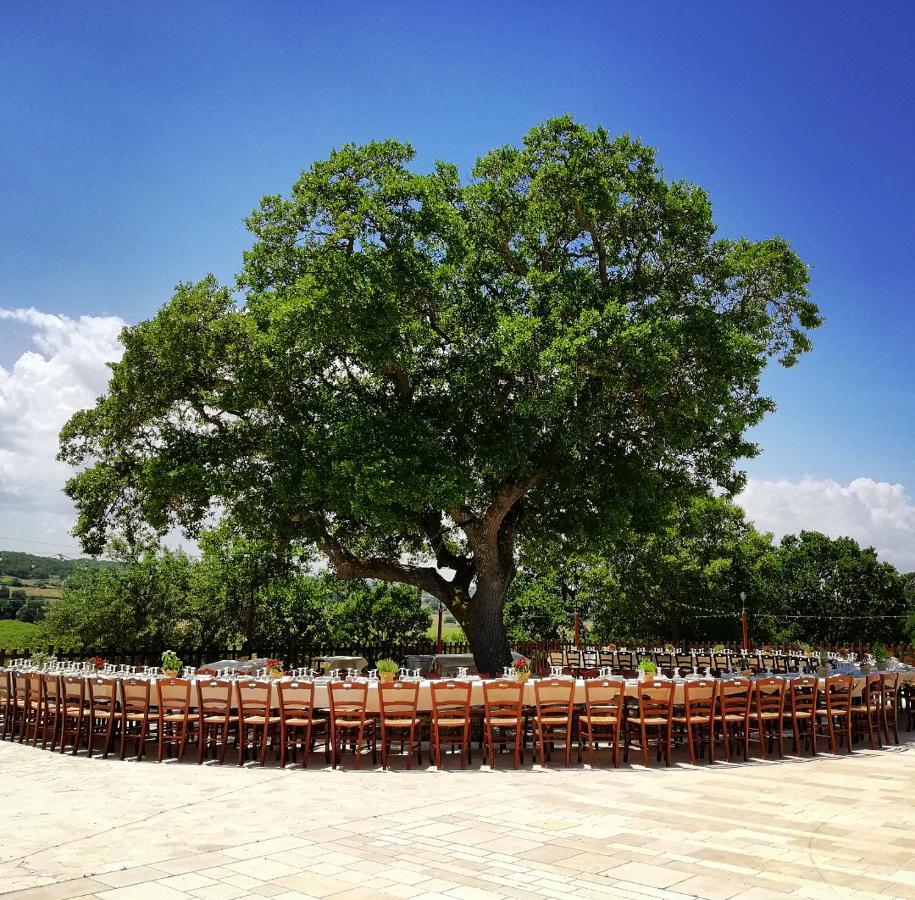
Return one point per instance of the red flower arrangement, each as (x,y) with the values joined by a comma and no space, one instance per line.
(97,662)
(274,667)
(522,666)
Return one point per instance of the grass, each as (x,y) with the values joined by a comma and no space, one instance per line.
(20,635)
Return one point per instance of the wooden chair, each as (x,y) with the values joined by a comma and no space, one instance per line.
(574,663)
(734,697)
(627,663)
(698,718)
(889,705)
(103,711)
(553,719)
(721,662)
(603,716)
(450,720)
(557,658)
(833,715)
(19,700)
(350,722)
(590,659)
(503,719)
(73,711)
(801,709)
(134,722)
(767,714)
(865,714)
(215,717)
(173,702)
(684,663)
(398,701)
(654,712)
(256,716)
(5,701)
(298,715)
(34,707)
(704,661)
(50,717)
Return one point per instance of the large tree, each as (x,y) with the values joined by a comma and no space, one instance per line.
(416,373)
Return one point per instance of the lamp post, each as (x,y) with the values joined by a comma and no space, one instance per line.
(743,620)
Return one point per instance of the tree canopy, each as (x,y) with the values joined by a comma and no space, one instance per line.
(416,373)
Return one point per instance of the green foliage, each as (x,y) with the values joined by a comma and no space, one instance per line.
(415,367)
(26,565)
(170,661)
(387,667)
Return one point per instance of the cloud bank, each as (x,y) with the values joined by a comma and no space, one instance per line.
(875,513)
(61,371)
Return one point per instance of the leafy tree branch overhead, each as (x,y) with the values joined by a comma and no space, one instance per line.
(417,374)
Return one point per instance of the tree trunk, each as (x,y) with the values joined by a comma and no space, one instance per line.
(485,630)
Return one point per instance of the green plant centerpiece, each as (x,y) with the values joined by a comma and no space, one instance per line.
(171,665)
(881,657)
(647,670)
(387,669)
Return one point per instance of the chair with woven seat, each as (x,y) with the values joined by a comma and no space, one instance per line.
(553,718)
(865,713)
(800,708)
(50,717)
(697,720)
(257,716)
(34,707)
(450,720)
(503,719)
(135,711)
(833,715)
(398,701)
(683,663)
(574,662)
(733,719)
(173,703)
(299,717)
(603,716)
(767,714)
(557,658)
(6,694)
(652,715)
(103,711)
(349,721)
(889,705)
(216,716)
(627,663)
(73,711)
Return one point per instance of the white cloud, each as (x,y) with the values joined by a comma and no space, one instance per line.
(875,513)
(63,371)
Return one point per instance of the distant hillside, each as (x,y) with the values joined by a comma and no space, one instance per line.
(14,564)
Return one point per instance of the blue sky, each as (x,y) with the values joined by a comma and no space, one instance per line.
(136,137)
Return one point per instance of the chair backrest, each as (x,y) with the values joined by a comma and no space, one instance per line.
(35,688)
(173,695)
(684,660)
(871,694)
(889,687)
(607,658)
(554,697)
(699,697)
(296,698)
(656,699)
(5,688)
(626,660)
(348,699)
(503,698)
(721,661)
(837,692)
(768,662)
(51,689)
(803,693)
(792,663)
(573,659)
(135,695)
(769,695)
(398,699)
(704,660)
(556,658)
(734,697)
(102,692)
(605,696)
(214,696)
(73,688)
(589,658)
(254,698)
(451,700)
(781,664)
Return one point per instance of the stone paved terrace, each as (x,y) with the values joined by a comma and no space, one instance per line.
(830,827)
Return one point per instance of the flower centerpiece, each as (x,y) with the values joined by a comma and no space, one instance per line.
(97,663)
(274,668)
(647,670)
(171,665)
(522,668)
(387,669)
